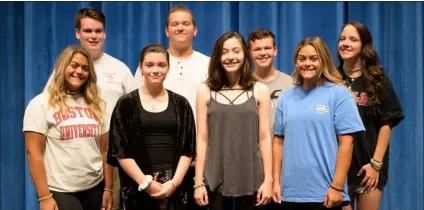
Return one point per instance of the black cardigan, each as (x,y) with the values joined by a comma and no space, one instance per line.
(125,141)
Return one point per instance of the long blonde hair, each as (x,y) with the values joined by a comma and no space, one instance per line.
(329,70)
(57,88)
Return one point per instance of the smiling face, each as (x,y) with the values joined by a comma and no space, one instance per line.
(263,52)
(180,29)
(154,68)
(232,56)
(91,35)
(308,64)
(350,44)
(77,72)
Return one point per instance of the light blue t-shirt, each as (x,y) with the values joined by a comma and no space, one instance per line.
(310,120)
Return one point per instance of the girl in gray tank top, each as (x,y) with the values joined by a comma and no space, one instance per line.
(233,161)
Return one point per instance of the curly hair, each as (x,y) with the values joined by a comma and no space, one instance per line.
(57,88)
(373,71)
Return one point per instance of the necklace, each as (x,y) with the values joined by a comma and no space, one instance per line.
(153,107)
(352,80)
(72,92)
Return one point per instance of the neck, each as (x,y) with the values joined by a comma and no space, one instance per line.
(182,52)
(352,67)
(153,90)
(233,79)
(265,74)
(309,83)
(96,55)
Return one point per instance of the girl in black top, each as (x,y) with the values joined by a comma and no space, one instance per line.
(152,139)
(380,111)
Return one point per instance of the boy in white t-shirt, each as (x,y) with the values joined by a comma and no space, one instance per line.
(67,138)
(188,68)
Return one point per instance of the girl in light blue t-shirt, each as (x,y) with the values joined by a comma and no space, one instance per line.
(312,147)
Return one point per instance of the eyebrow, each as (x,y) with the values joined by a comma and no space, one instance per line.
(78,63)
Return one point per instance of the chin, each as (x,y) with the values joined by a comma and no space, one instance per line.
(233,69)
(308,76)
(346,56)
(264,65)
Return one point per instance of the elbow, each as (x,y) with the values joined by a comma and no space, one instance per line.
(265,137)
(34,155)
(201,139)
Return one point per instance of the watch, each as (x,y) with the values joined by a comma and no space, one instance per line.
(145,183)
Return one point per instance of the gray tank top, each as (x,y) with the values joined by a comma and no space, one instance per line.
(233,160)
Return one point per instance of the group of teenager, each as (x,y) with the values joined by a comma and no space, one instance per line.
(225,132)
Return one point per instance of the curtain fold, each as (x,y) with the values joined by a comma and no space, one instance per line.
(34,33)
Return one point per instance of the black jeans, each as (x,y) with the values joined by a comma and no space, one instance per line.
(90,199)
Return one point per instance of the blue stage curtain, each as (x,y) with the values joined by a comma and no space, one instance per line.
(34,33)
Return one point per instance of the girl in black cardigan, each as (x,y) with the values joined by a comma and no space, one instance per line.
(152,139)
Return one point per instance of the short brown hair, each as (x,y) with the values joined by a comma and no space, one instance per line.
(153,48)
(258,34)
(180,8)
(89,13)
(216,73)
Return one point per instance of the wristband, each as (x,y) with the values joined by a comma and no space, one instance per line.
(335,188)
(45,197)
(145,183)
(108,190)
(376,165)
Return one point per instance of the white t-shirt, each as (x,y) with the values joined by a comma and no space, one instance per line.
(72,157)
(184,77)
(114,80)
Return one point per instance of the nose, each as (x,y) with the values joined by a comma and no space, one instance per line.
(307,63)
(262,52)
(230,56)
(79,70)
(180,27)
(155,69)
(93,34)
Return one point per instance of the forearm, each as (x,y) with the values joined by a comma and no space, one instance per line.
(265,147)
(107,169)
(38,174)
(131,168)
(277,158)
(382,142)
(201,148)
(344,158)
(182,168)
(108,174)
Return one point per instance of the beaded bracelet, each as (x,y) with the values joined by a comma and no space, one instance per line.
(45,197)
(198,185)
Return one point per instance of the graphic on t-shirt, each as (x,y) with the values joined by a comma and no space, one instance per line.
(361,98)
(76,130)
(109,76)
(322,108)
(79,131)
(274,97)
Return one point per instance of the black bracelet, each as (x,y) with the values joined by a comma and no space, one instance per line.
(335,188)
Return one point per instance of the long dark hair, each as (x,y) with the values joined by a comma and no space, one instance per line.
(216,73)
(373,71)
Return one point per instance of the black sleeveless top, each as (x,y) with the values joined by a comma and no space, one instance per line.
(159,130)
